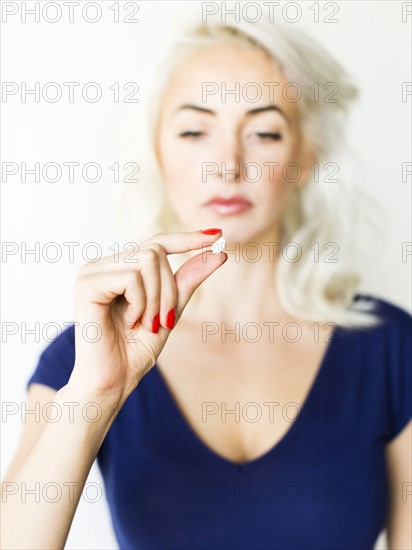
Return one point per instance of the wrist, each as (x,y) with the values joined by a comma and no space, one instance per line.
(79,385)
(90,404)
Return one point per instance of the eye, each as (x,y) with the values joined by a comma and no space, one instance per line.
(190,133)
(268,135)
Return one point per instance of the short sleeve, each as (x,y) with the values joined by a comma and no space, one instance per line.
(399,371)
(56,362)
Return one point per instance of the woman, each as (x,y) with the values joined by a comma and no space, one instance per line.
(223,409)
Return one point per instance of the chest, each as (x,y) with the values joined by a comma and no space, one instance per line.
(240,399)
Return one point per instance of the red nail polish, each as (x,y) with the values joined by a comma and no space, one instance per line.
(212,231)
(156,324)
(135,323)
(170,321)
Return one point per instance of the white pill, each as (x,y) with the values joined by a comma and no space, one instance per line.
(219,245)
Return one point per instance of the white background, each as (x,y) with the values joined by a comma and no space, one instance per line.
(370,40)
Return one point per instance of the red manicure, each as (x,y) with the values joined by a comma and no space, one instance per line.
(156,324)
(212,231)
(170,321)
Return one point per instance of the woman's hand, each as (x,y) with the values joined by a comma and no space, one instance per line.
(111,357)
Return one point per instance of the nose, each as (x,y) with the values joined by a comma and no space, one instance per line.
(230,158)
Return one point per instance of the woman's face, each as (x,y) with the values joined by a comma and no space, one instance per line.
(214,143)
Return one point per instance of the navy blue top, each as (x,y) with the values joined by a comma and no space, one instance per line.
(324,485)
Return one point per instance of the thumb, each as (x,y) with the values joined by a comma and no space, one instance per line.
(192,274)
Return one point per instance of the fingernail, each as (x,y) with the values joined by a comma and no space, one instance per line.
(170,321)
(155,324)
(212,231)
(135,323)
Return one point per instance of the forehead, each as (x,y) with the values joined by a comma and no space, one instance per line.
(228,77)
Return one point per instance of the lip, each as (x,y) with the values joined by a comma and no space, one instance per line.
(228,205)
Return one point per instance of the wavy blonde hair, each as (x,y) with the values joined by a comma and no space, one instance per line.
(325,214)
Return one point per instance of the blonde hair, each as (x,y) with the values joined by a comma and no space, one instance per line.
(322,214)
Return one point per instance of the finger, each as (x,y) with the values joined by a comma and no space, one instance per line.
(192,274)
(150,273)
(168,293)
(168,296)
(101,289)
(167,243)
(178,243)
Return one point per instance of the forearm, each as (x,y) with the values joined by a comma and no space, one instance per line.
(62,457)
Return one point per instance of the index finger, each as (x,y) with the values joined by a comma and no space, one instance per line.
(184,241)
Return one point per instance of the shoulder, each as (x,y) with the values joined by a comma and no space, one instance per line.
(387,357)
(382,304)
(390,342)
(393,316)
(56,361)
(63,343)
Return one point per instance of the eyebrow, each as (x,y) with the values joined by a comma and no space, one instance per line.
(255,111)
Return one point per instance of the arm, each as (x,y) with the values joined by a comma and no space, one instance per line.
(116,297)
(62,455)
(399,461)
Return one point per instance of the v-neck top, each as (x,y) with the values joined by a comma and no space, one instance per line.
(323,485)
